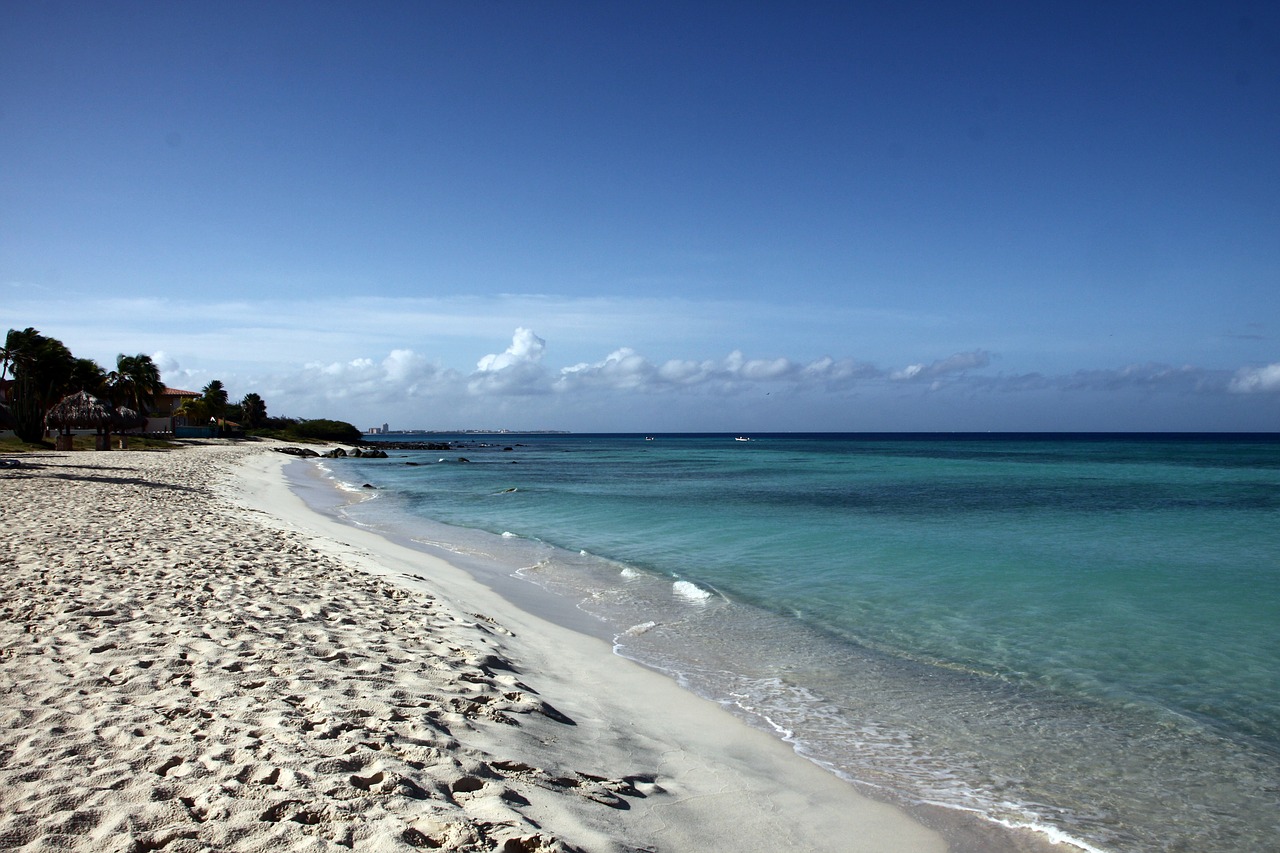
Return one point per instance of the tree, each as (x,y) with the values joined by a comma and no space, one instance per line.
(215,398)
(253,410)
(88,375)
(7,355)
(42,369)
(194,410)
(135,382)
(327,430)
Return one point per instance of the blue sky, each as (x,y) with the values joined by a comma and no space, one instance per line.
(661,216)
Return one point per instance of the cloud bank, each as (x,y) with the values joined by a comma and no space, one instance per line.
(518,382)
(648,364)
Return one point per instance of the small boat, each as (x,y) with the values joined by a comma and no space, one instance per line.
(742,438)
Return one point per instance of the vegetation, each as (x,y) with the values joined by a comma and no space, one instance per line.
(194,409)
(88,375)
(43,372)
(215,399)
(253,411)
(134,383)
(13,444)
(322,429)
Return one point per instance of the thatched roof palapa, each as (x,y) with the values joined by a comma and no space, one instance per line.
(123,417)
(81,410)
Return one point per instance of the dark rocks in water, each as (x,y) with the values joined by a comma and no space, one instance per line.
(368,486)
(335,453)
(415,445)
(463,459)
(414,464)
(507,449)
(297,451)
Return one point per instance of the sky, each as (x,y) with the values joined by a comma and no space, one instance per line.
(662,216)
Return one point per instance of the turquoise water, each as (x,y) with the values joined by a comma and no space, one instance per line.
(1077,634)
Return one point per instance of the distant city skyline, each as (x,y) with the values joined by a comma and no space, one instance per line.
(721,216)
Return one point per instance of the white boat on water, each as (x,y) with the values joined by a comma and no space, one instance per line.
(742,438)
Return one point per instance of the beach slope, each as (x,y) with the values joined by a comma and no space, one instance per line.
(192,659)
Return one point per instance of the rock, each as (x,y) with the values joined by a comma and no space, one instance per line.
(297,451)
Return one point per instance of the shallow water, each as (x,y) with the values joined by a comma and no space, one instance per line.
(1073,633)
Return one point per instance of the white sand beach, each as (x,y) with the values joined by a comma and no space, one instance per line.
(193,660)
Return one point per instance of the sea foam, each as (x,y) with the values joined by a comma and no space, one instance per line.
(690,591)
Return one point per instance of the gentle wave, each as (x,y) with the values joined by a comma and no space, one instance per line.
(690,592)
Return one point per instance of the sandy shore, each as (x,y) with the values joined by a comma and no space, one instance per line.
(192,659)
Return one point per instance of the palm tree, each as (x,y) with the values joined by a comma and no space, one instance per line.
(215,398)
(135,382)
(88,375)
(254,410)
(42,370)
(194,411)
(7,355)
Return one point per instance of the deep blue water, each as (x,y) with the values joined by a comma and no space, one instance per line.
(1076,633)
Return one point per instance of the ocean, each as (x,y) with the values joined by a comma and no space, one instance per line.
(1079,634)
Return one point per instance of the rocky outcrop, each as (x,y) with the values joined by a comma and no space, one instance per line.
(297,451)
(335,453)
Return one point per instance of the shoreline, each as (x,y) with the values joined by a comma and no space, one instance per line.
(195,659)
(965,830)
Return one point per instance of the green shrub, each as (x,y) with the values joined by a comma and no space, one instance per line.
(322,429)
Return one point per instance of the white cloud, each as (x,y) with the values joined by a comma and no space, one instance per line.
(404,367)
(839,373)
(526,348)
(515,372)
(621,369)
(403,374)
(1256,380)
(626,370)
(957,363)
(164,362)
